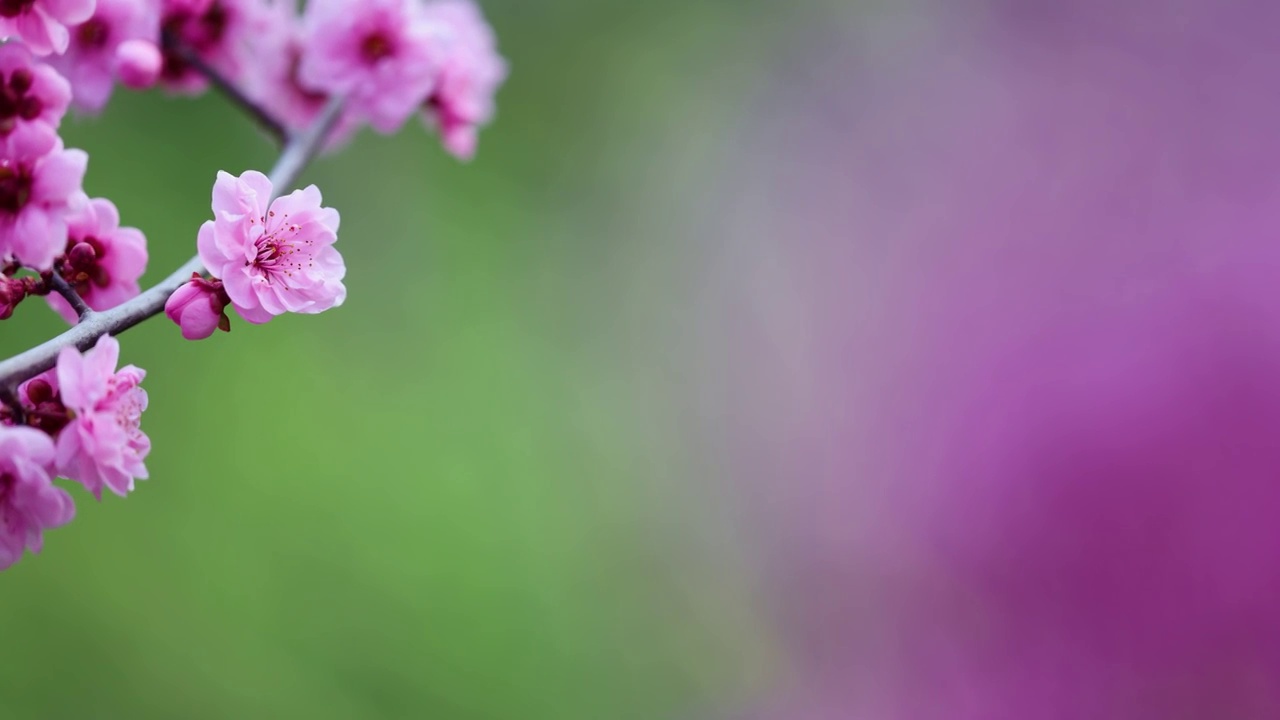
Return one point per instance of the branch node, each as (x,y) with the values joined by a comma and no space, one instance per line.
(68,293)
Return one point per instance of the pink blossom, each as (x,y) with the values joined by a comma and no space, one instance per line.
(470,75)
(29,501)
(138,63)
(30,91)
(102,445)
(42,24)
(385,57)
(274,83)
(90,62)
(217,31)
(39,187)
(103,261)
(273,256)
(199,308)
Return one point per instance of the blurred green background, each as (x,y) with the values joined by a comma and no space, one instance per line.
(471,492)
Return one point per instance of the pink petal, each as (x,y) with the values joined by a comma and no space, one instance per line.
(70,12)
(38,237)
(59,176)
(41,33)
(210,254)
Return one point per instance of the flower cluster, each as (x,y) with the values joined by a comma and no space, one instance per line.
(79,421)
(310,76)
(392,58)
(39,178)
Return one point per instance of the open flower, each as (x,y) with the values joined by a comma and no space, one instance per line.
(216,31)
(39,186)
(272,256)
(92,59)
(276,82)
(30,91)
(384,58)
(29,501)
(102,445)
(470,74)
(42,24)
(103,260)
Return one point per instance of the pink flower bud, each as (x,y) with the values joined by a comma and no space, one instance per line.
(138,63)
(197,308)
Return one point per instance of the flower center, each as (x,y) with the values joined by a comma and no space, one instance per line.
(93,34)
(202,33)
(44,408)
(279,252)
(376,46)
(15,187)
(129,412)
(14,8)
(16,100)
(211,26)
(83,268)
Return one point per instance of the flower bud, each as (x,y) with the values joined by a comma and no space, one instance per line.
(197,308)
(138,63)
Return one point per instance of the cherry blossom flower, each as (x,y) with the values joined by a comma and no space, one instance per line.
(42,24)
(384,58)
(470,74)
(103,260)
(91,61)
(30,91)
(39,186)
(199,308)
(275,83)
(29,501)
(102,445)
(273,256)
(217,31)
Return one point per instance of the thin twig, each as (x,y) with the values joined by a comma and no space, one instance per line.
(9,396)
(68,293)
(26,365)
(273,126)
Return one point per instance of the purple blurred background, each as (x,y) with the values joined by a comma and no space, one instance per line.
(998,360)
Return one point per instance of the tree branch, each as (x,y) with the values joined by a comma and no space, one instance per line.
(26,365)
(266,120)
(68,293)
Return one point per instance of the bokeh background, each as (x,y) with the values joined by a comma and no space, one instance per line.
(843,360)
